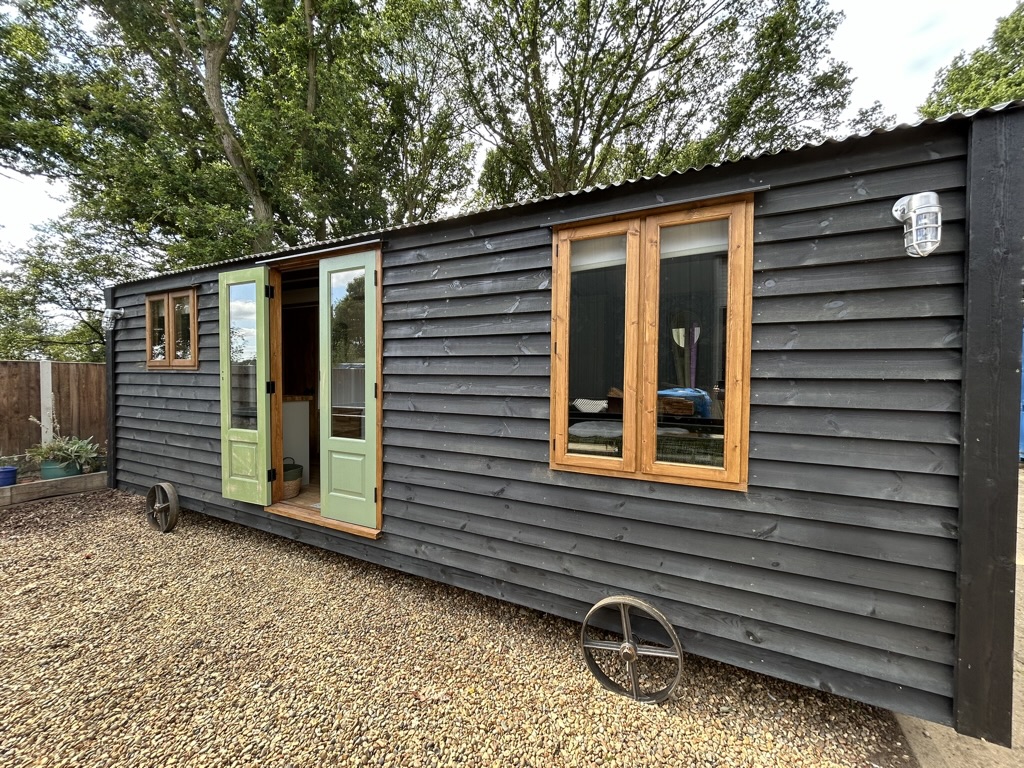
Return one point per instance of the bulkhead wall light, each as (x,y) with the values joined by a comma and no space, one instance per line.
(921,215)
(111,316)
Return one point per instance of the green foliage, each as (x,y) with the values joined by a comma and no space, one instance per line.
(868,119)
(433,161)
(38,74)
(59,280)
(990,75)
(22,330)
(64,449)
(189,133)
(201,131)
(575,94)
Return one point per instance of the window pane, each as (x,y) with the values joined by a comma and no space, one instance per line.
(348,354)
(692,305)
(182,328)
(597,306)
(157,329)
(242,322)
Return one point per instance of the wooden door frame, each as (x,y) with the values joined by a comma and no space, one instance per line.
(276,436)
(274,279)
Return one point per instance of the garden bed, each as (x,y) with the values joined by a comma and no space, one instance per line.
(44,489)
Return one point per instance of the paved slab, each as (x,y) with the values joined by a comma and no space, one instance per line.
(937,746)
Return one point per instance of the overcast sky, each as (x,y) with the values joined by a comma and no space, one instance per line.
(894,48)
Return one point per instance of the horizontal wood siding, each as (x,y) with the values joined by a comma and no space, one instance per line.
(166,423)
(836,569)
(842,553)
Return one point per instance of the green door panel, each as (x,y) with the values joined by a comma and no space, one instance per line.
(348,373)
(244,369)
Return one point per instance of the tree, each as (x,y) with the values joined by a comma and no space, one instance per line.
(34,132)
(868,119)
(21,331)
(992,74)
(575,94)
(55,291)
(192,131)
(434,154)
(202,129)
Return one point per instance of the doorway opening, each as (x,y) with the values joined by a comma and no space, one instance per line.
(324,334)
(300,416)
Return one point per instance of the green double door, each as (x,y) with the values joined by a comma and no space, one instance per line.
(347,360)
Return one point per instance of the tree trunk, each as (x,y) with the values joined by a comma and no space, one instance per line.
(215,46)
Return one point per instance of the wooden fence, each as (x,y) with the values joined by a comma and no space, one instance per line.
(74,395)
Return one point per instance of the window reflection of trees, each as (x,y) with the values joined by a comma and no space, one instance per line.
(348,325)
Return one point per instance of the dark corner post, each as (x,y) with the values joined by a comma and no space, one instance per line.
(108,300)
(990,425)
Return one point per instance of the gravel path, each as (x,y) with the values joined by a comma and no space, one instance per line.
(216,645)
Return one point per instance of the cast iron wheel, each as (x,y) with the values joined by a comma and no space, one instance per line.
(162,507)
(622,663)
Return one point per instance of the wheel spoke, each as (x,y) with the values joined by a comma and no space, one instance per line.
(627,629)
(657,650)
(602,645)
(633,681)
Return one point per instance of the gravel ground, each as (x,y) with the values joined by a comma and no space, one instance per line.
(216,645)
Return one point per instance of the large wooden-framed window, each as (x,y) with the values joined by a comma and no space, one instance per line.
(650,363)
(171,330)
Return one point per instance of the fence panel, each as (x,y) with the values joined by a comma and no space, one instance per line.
(77,399)
(19,395)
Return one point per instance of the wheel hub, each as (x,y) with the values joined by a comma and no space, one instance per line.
(627,652)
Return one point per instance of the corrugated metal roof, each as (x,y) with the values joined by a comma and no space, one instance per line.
(299,250)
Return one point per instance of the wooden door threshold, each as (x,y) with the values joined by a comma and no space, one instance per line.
(313,517)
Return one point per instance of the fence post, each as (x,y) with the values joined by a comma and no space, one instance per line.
(46,399)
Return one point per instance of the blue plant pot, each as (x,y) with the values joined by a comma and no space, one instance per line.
(8,476)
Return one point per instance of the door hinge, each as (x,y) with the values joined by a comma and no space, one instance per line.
(375,390)
(271,387)
(271,474)
(268,291)
(374,495)
(554,444)
(375,278)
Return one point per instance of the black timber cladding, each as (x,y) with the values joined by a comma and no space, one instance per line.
(837,569)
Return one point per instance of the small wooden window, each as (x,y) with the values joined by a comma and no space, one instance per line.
(651,358)
(171,330)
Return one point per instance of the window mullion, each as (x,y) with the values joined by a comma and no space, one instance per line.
(632,354)
(647,402)
(172,332)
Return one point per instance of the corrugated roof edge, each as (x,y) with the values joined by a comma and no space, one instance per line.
(299,250)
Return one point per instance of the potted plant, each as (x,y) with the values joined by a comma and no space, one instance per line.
(8,474)
(62,456)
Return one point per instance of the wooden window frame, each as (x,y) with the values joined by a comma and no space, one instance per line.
(639,426)
(168,299)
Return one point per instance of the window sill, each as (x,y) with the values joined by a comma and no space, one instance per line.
(695,482)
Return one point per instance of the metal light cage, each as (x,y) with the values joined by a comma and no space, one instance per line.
(110,317)
(921,215)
